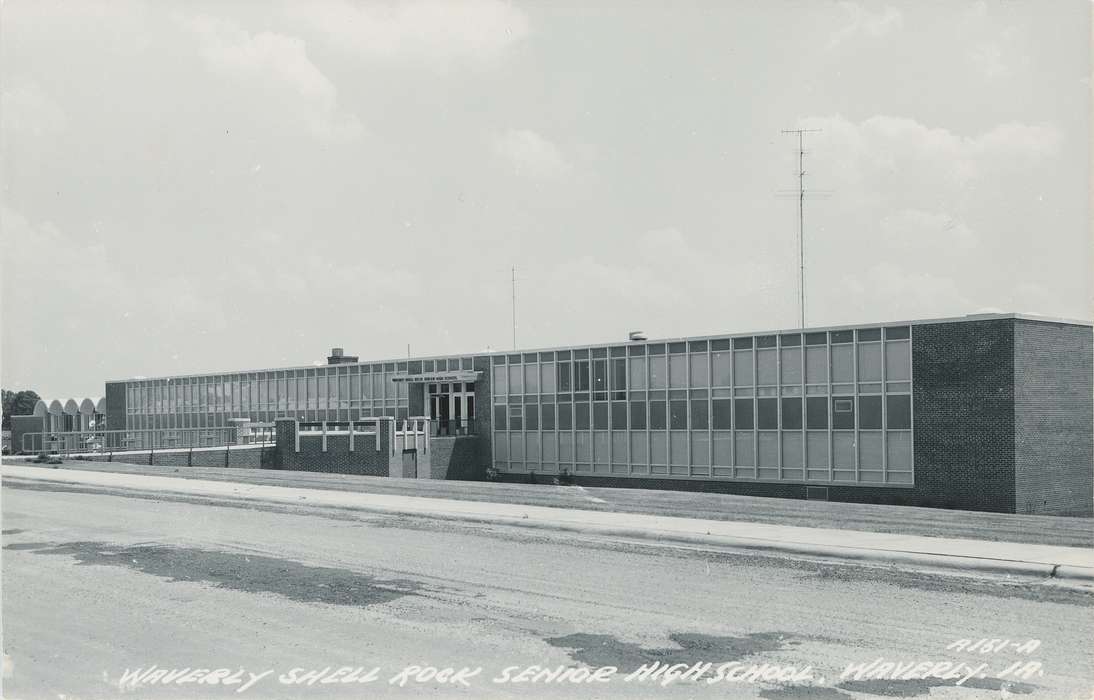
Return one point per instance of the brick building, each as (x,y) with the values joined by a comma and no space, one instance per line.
(988,412)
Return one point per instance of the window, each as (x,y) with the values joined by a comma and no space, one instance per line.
(898,361)
(515,418)
(843,413)
(564,376)
(767,414)
(547,417)
(869,362)
(678,371)
(565,417)
(581,375)
(898,333)
(869,412)
(600,375)
(619,415)
(699,372)
(742,409)
(742,367)
(547,374)
(515,383)
(721,410)
(600,415)
(699,414)
(791,365)
(581,416)
(678,414)
(638,415)
(638,372)
(619,378)
(657,415)
(658,373)
(531,379)
(792,413)
(816,413)
(816,365)
(531,416)
(721,362)
(898,412)
(767,368)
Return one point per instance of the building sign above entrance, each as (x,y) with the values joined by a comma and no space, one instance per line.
(465,375)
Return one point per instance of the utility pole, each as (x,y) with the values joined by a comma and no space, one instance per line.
(514,293)
(801,218)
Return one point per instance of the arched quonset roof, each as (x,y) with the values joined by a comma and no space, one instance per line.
(55,408)
(41,409)
(100,405)
(71,407)
(87,407)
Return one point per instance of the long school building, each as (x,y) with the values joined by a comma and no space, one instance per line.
(989,412)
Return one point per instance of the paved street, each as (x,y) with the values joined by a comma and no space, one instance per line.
(95,584)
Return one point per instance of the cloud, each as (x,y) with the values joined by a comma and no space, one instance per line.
(530,154)
(26,110)
(436,31)
(872,153)
(903,293)
(926,230)
(281,61)
(863,22)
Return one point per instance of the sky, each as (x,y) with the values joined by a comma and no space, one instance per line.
(212,186)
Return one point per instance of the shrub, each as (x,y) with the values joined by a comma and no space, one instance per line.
(492,474)
(564,478)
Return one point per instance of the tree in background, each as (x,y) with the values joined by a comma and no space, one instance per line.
(18,403)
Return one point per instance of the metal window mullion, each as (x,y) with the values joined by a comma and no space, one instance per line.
(884,412)
(829,408)
(854,378)
(710,411)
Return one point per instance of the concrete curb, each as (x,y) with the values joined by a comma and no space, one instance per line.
(1070,575)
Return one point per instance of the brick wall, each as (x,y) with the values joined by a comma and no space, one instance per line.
(337,459)
(20,425)
(457,458)
(484,419)
(115,406)
(1054,418)
(963,399)
(245,458)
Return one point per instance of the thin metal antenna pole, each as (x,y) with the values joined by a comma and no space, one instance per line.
(801,219)
(514,293)
(801,225)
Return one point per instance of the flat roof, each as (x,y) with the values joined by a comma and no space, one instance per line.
(494,353)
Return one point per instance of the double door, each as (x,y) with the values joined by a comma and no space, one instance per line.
(452,408)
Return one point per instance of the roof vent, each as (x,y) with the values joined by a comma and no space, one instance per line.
(635,336)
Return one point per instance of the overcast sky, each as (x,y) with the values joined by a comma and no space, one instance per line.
(195,186)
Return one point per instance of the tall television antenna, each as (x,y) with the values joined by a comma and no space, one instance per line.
(801,218)
(514,293)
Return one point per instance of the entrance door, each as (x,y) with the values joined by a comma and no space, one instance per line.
(452,408)
(444,413)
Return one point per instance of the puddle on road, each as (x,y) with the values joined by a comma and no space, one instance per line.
(240,572)
(605,650)
(917,688)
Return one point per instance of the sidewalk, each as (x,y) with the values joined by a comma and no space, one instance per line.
(1070,565)
(703,505)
